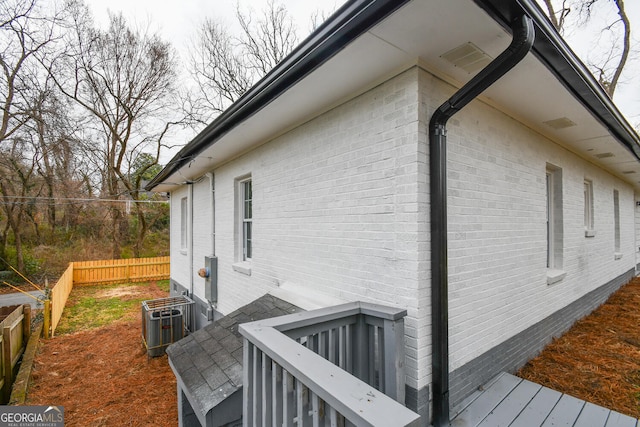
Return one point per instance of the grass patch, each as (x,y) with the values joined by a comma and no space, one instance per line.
(164,285)
(90,307)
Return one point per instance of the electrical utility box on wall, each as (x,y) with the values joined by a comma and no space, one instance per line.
(211,281)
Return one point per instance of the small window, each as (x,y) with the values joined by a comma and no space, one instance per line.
(183,223)
(588,208)
(246,216)
(555,223)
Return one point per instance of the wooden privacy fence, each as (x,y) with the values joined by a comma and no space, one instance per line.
(58,296)
(120,271)
(99,273)
(14,335)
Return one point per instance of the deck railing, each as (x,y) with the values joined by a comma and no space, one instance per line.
(337,366)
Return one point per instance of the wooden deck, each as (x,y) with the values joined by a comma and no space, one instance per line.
(511,401)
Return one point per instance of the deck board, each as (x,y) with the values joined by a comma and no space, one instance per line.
(592,416)
(616,419)
(538,408)
(565,413)
(508,401)
(487,401)
(512,405)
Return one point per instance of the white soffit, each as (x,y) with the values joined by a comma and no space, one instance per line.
(530,92)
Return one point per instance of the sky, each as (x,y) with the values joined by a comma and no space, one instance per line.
(177,22)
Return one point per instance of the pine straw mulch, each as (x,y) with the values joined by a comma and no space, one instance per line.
(102,377)
(598,359)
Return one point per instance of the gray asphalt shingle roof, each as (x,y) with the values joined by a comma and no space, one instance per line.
(208,362)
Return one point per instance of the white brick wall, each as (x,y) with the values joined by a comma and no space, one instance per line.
(338,206)
(202,240)
(497,226)
(179,259)
(341,207)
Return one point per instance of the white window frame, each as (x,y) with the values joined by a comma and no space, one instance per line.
(616,224)
(184,213)
(555,225)
(588,209)
(246,216)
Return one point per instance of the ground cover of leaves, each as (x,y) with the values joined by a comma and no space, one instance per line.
(598,359)
(102,376)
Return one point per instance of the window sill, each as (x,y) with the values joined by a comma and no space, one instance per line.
(555,276)
(243,267)
(617,255)
(589,233)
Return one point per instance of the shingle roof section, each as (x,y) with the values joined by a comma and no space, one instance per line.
(209,361)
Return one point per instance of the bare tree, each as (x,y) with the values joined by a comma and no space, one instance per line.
(558,15)
(123,78)
(24,31)
(224,66)
(61,163)
(17,188)
(610,65)
(266,41)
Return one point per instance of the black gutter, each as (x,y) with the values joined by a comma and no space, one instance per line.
(345,25)
(523,38)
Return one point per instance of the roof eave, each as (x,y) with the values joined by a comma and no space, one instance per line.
(354,19)
(346,24)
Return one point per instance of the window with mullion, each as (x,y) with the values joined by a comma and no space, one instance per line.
(247,217)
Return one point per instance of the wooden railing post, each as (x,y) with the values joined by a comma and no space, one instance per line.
(393,333)
(47,318)
(26,325)
(6,352)
(360,350)
(247,389)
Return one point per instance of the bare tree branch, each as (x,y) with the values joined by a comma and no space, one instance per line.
(225,66)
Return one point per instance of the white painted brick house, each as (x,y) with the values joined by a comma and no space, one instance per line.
(325,163)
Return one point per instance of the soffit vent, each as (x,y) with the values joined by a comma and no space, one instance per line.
(561,123)
(604,155)
(468,56)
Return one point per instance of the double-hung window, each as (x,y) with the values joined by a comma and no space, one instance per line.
(588,209)
(555,227)
(247,218)
(616,224)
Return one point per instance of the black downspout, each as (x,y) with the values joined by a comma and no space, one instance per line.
(523,37)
